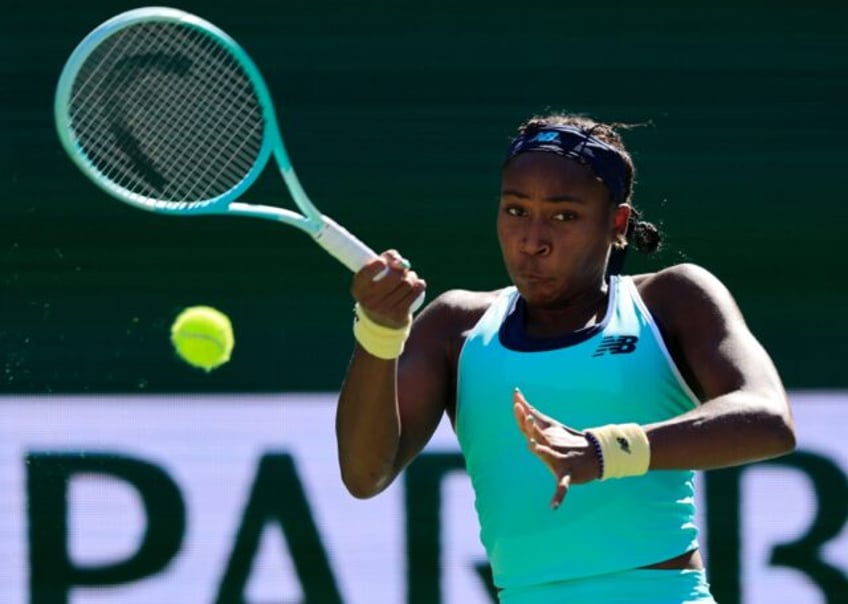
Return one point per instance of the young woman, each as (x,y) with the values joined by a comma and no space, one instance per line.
(583,400)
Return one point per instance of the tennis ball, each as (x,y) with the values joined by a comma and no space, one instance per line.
(203,337)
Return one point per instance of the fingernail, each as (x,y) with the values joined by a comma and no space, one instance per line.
(405,263)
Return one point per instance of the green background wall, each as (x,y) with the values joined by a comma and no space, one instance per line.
(396,116)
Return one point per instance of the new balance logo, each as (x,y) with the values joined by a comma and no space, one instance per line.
(616,345)
(545,137)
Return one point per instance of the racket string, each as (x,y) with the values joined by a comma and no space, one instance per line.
(118,85)
(114,82)
(213,72)
(212,121)
(90,125)
(250,130)
(210,118)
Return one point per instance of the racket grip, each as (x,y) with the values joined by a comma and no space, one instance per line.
(342,245)
(345,247)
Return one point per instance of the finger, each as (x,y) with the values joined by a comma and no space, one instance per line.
(379,267)
(392,307)
(374,270)
(530,410)
(537,431)
(400,266)
(386,302)
(561,491)
(523,419)
(518,398)
(519,409)
(519,420)
(523,411)
(548,456)
(378,278)
(396,261)
(539,417)
(416,297)
(403,291)
(544,452)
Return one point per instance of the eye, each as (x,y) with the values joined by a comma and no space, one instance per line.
(515,211)
(565,216)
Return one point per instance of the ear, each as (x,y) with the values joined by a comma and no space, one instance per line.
(620,222)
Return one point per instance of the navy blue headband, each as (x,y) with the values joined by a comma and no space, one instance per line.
(578,144)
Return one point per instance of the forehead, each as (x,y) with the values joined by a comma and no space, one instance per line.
(541,169)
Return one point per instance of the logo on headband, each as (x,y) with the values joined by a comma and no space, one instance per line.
(580,145)
(545,137)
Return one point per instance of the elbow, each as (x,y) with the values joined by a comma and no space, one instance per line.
(365,474)
(786,436)
(361,485)
(768,425)
(359,490)
(781,434)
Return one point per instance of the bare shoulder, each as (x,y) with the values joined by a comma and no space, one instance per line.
(456,310)
(465,301)
(685,292)
(681,279)
(439,331)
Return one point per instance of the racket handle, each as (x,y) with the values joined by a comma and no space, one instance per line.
(342,245)
(345,247)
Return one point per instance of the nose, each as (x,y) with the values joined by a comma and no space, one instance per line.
(535,240)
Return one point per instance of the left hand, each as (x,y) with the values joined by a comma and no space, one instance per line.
(565,451)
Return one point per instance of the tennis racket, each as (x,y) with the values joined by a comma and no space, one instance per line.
(166,112)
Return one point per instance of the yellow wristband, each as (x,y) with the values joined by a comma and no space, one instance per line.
(381,341)
(625,450)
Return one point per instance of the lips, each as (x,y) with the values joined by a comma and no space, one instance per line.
(532,277)
(531,270)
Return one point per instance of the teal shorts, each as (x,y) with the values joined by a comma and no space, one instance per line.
(638,586)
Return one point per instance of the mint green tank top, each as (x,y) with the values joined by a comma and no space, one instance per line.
(617,371)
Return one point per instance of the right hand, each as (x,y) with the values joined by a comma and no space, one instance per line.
(387,300)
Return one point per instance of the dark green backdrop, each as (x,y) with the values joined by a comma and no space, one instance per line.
(396,117)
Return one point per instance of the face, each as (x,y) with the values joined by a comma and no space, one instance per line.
(556,226)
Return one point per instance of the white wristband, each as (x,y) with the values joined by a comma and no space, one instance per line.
(381,341)
(624,448)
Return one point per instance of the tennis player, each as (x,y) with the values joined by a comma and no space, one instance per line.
(583,399)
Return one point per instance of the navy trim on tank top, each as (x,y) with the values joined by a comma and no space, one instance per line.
(513,336)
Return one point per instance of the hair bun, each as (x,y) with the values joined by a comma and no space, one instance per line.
(645,236)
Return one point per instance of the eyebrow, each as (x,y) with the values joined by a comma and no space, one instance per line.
(552,198)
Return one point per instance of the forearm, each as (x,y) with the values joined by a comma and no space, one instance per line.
(368,426)
(730,430)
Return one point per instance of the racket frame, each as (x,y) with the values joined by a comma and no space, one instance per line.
(334,238)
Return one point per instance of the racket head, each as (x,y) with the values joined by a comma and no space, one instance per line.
(165,111)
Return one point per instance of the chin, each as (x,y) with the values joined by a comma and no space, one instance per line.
(539,293)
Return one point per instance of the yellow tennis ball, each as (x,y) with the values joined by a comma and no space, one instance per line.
(203,337)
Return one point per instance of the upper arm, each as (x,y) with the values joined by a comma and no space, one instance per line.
(425,375)
(702,319)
